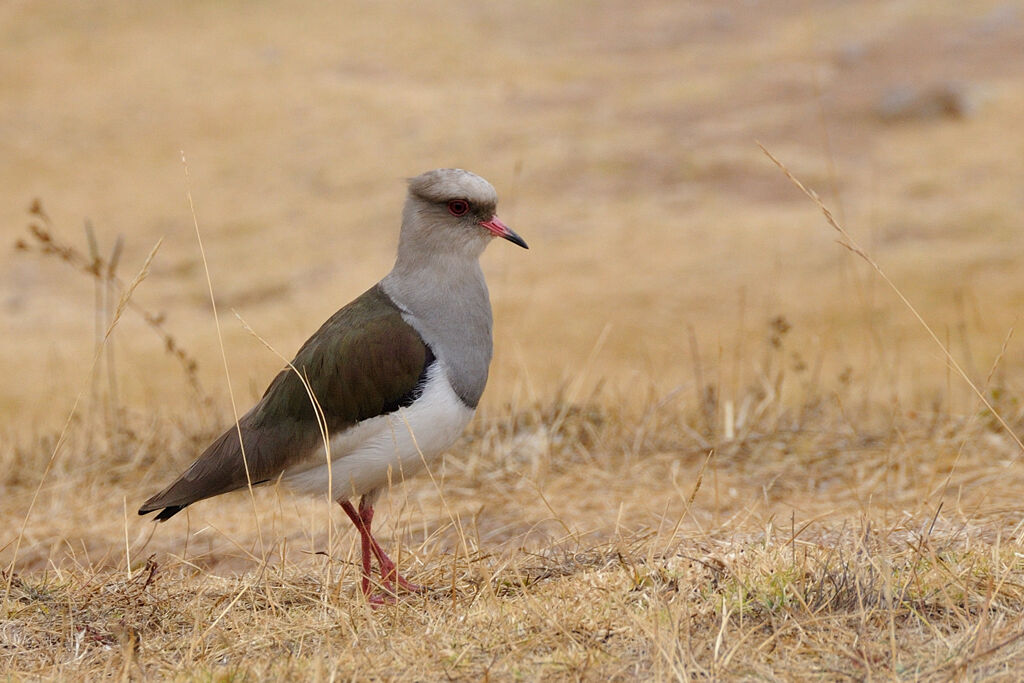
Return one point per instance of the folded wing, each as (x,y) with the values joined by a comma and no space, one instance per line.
(363,362)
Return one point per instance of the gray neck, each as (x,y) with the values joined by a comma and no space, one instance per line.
(444,297)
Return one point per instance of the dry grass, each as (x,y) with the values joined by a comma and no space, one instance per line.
(567,540)
(714,444)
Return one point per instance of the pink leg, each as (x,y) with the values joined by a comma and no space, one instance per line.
(363,519)
(388,571)
(365,542)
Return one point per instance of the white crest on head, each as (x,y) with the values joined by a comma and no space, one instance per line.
(443,184)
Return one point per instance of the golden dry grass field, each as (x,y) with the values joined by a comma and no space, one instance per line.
(715,443)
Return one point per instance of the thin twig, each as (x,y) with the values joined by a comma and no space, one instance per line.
(121,305)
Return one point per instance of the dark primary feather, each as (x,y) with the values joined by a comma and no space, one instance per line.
(363,362)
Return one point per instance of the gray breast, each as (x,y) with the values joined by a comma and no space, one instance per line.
(450,308)
(463,345)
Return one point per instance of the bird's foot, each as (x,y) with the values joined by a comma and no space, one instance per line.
(394,577)
(378,599)
(389,572)
(389,596)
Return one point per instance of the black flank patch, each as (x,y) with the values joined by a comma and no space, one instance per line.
(410,397)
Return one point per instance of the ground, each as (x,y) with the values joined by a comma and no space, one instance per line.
(715,443)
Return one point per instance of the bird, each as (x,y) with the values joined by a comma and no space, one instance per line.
(384,386)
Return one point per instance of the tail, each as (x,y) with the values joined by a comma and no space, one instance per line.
(222,468)
(165,512)
(173,499)
(218,470)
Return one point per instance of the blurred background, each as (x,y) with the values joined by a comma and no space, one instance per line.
(666,250)
(689,373)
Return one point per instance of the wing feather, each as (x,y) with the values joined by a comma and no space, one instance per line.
(363,362)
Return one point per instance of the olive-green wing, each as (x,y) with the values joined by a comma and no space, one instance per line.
(363,362)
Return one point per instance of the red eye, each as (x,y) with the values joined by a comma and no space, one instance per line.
(458,207)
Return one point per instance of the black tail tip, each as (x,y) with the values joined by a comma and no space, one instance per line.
(164,514)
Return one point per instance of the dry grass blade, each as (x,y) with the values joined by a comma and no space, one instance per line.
(223,352)
(126,295)
(999,356)
(849,243)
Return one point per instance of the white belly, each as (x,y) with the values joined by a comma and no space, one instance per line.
(388,448)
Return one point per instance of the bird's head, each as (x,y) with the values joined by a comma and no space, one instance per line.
(452,211)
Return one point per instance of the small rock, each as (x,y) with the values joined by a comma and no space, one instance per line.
(949,100)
